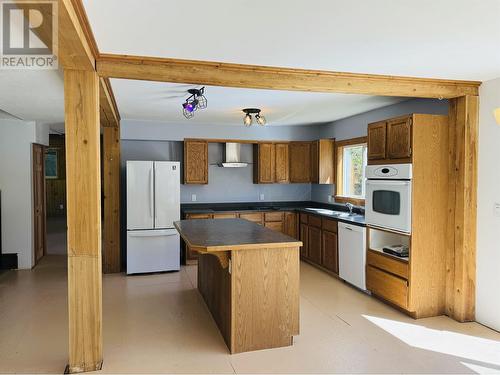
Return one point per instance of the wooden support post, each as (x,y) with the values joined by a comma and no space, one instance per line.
(83,179)
(111,229)
(461,255)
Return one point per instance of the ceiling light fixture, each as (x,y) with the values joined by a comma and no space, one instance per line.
(196,100)
(248,119)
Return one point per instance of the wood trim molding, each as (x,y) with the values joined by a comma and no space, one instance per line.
(275,78)
(351,141)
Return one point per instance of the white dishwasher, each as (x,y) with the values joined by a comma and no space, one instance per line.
(352,254)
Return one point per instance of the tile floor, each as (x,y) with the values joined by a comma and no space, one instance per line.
(159,324)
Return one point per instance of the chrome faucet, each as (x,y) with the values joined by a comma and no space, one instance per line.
(350,206)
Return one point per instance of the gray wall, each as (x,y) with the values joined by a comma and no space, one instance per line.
(148,140)
(16,139)
(356,126)
(150,130)
(225,184)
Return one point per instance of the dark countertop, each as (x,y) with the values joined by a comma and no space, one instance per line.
(231,234)
(314,208)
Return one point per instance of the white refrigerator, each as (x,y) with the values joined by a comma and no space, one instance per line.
(153,196)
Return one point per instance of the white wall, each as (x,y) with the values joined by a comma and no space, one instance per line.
(488,224)
(16,138)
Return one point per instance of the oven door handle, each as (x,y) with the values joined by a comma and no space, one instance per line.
(388,183)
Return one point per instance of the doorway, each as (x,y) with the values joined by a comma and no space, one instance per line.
(39,214)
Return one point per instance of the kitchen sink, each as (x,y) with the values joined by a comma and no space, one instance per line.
(339,214)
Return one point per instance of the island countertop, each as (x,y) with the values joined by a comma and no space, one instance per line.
(210,235)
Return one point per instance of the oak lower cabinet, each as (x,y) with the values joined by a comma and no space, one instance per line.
(195,161)
(330,252)
(291,225)
(314,244)
(319,236)
(304,237)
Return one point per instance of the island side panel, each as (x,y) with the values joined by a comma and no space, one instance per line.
(265,296)
(214,284)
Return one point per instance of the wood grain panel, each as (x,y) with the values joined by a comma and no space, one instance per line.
(265,293)
(273,216)
(314,168)
(256,217)
(304,237)
(329,225)
(314,221)
(300,162)
(83,173)
(282,165)
(214,284)
(264,163)
(314,244)
(275,225)
(377,140)
(326,161)
(226,215)
(399,134)
(383,284)
(387,263)
(111,252)
(195,162)
(462,206)
(264,77)
(291,224)
(329,251)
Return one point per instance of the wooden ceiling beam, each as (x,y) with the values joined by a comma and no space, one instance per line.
(265,77)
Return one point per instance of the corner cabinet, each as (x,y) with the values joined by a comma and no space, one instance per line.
(390,141)
(323,161)
(195,161)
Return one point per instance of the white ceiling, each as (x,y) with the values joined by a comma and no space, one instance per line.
(455,39)
(141,100)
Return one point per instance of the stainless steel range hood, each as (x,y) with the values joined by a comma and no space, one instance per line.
(232,158)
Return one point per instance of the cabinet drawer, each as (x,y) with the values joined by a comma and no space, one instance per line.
(273,216)
(198,216)
(315,221)
(329,225)
(226,215)
(387,286)
(274,225)
(256,217)
(303,218)
(386,263)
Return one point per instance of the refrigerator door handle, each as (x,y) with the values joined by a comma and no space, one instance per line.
(151,191)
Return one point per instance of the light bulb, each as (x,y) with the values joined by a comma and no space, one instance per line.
(247,120)
(261,120)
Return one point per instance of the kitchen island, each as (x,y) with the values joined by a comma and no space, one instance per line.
(248,276)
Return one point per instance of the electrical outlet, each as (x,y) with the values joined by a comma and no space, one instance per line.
(330,199)
(61,207)
(193,197)
(261,197)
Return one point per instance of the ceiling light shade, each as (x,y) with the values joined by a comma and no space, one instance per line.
(195,101)
(496,112)
(261,120)
(247,120)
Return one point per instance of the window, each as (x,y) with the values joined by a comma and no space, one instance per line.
(351,162)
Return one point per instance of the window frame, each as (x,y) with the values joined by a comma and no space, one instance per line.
(339,163)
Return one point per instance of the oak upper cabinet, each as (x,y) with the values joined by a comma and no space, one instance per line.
(322,161)
(399,138)
(390,141)
(264,163)
(282,169)
(300,162)
(195,161)
(377,140)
